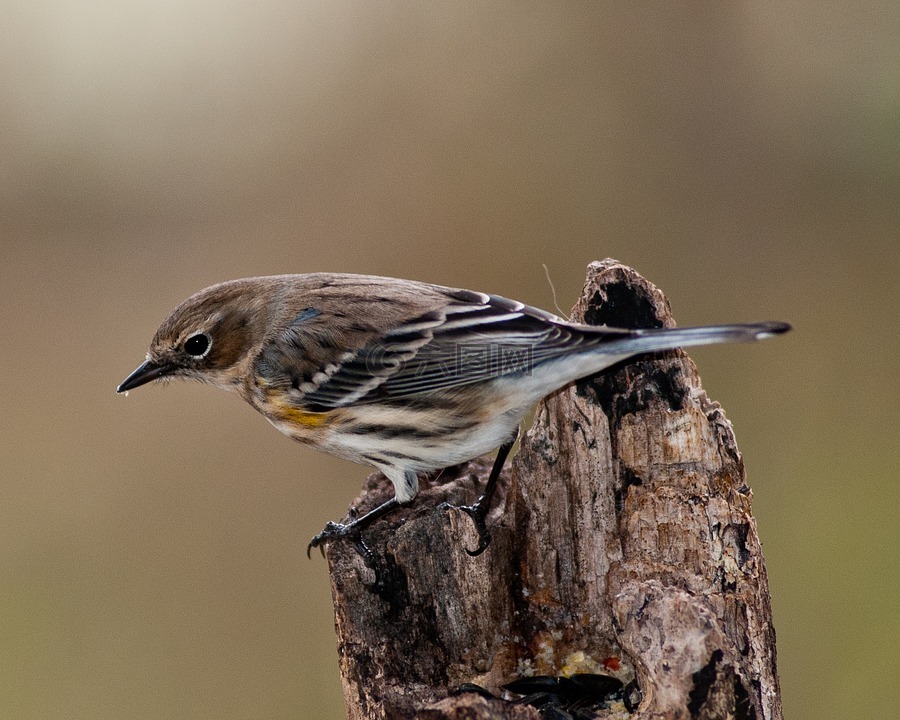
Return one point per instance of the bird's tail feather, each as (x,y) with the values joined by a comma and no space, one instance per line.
(650,340)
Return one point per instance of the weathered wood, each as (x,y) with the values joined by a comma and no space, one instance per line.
(623,544)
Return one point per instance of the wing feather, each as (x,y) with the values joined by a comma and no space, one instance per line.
(473,338)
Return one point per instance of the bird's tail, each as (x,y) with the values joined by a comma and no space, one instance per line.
(654,339)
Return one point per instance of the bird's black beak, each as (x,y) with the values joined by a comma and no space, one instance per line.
(145,372)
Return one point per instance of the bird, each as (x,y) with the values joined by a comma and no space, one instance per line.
(405,376)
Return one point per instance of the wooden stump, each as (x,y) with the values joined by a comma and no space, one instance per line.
(623,544)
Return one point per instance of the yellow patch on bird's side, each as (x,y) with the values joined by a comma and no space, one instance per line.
(278,406)
(302,417)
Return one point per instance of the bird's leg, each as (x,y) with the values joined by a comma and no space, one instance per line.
(353,530)
(478,512)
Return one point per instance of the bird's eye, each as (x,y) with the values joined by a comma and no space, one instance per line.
(197,345)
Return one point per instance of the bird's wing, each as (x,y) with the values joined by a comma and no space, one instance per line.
(470,338)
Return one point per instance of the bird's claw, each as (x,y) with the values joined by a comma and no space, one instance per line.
(478,514)
(339,531)
(331,531)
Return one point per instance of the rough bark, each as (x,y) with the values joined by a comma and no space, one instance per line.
(623,544)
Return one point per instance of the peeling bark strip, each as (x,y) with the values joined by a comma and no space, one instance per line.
(623,544)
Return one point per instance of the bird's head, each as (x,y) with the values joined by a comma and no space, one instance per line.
(207,336)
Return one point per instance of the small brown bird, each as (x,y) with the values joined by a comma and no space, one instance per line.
(401,375)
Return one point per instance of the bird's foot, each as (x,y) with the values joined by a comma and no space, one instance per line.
(478,513)
(353,531)
(339,531)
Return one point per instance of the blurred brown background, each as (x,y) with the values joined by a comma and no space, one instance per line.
(744,157)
